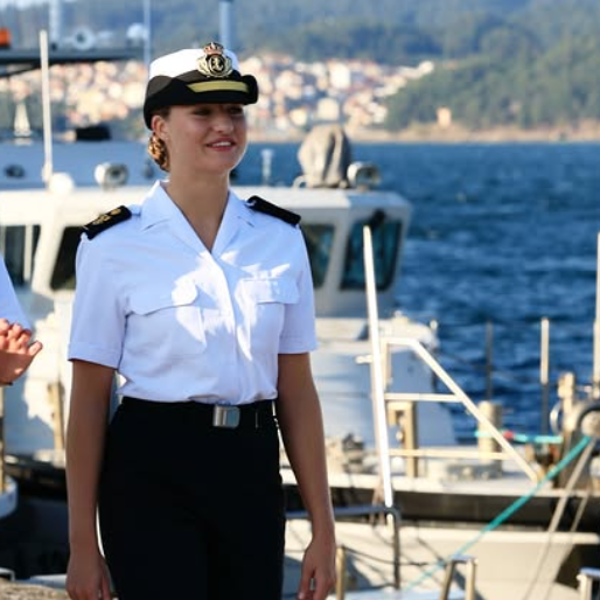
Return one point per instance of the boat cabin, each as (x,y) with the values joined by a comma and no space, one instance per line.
(40,230)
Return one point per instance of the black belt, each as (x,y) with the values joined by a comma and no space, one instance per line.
(243,416)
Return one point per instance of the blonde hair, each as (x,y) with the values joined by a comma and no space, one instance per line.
(157,149)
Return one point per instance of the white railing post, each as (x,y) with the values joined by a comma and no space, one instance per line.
(545,373)
(377,384)
(48,167)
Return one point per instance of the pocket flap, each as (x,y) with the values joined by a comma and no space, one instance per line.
(148,300)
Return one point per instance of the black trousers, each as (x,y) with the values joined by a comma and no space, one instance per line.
(190,511)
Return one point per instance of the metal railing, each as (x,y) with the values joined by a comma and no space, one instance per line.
(403,403)
(586,578)
(364,510)
(471,566)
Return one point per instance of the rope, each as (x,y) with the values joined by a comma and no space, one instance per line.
(523,438)
(507,512)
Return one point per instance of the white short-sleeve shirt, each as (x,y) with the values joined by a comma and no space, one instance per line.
(181,323)
(10,308)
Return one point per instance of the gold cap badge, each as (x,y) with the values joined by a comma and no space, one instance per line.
(215,63)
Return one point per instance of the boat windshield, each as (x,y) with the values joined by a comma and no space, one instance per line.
(319,240)
(18,244)
(386,239)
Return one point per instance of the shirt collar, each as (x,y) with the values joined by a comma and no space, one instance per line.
(235,214)
(157,206)
(238,209)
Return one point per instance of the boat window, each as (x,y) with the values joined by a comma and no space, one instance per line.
(63,276)
(319,240)
(386,236)
(18,244)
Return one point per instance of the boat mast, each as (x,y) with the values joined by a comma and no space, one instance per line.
(46,111)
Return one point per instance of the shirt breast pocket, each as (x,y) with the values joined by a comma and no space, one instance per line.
(166,322)
(267,299)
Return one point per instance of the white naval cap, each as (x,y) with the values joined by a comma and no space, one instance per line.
(197,75)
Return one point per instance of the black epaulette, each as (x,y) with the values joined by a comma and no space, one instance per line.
(112,217)
(263,206)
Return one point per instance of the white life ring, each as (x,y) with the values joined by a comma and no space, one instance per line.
(363,175)
(83,39)
(111,175)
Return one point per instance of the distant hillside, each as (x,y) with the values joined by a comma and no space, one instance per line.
(536,68)
(518,62)
(266,23)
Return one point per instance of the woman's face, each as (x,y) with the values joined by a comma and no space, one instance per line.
(209,138)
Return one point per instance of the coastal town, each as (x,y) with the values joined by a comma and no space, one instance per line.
(293,96)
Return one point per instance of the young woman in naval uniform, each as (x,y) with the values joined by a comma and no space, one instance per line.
(203,305)
(17,350)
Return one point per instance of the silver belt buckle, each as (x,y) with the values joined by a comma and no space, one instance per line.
(226,416)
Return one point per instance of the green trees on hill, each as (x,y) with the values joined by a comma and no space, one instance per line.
(530,89)
(358,39)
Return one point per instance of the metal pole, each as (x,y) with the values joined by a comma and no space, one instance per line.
(471,568)
(381,427)
(586,578)
(596,368)
(486,444)
(489,343)
(545,373)
(47,116)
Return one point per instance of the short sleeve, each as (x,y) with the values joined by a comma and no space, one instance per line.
(98,322)
(10,308)
(299,332)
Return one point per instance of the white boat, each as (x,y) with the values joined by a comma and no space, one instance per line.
(40,230)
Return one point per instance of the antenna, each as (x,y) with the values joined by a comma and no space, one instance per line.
(147,34)
(56,22)
(226,23)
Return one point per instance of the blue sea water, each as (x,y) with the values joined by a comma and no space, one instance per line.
(503,234)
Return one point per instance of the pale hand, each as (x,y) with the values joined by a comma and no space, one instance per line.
(87,577)
(16,351)
(318,570)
